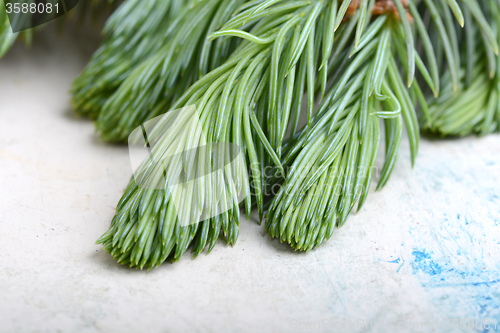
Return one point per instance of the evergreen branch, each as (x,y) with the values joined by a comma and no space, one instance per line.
(253,89)
(476,108)
(154,86)
(241,81)
(134,32)
(235,90)
(331,162)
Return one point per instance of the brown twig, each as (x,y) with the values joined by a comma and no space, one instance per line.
(381,7)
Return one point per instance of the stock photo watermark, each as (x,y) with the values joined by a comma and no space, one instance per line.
(27,14)
(204,179)
(359,324)
(171,153)
(273,180)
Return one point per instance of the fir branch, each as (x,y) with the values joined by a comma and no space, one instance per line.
(135,31)
(331,162)
(254,90)
(152,87)
(237,91)
(475,109)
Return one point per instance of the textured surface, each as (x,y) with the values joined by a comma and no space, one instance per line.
(424,249)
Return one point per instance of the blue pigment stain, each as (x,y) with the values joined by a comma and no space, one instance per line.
(456,257)
(447,280)
(395,261)
(424,263)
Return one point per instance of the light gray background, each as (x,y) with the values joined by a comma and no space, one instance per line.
(424,249)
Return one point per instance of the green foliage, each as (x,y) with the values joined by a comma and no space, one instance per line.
(475,108)
(135,31)
(226,100)
(248,66)
(153,86)
(331,162)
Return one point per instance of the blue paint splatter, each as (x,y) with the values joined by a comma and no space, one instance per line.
(395,261)
(424,262)
(457,283)
(453,249)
